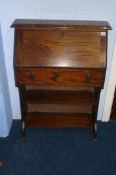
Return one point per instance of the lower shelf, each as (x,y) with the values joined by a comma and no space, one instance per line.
(59,120)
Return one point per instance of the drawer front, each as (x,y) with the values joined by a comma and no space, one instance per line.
(60,77)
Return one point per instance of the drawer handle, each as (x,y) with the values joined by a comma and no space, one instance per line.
(32,76)
(88,77)
(55,76)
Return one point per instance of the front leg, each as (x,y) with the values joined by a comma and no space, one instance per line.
(23,104)
(23,128)
(95,131)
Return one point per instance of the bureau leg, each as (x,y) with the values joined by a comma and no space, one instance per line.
(94,124)
(1,163)
(23,129)
(94,113)
(95,132)
(23,104)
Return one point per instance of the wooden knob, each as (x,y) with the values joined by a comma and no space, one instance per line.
(88,77)
(32,76)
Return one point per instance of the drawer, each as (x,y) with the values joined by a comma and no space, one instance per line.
(60,77)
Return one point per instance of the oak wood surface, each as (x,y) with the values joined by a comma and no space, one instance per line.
(63,48)
(59,49)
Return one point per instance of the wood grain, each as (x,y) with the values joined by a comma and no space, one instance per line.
(56,48)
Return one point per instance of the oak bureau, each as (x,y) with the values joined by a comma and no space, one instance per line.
(60,70)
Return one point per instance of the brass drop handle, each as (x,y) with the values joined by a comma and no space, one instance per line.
(32,76)
(88,77)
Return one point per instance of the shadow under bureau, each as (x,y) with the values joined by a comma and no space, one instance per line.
(59,70)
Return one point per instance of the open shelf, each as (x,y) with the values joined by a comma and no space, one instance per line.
(60,101)
(79,97)
(58,120)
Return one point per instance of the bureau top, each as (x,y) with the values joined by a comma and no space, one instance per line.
(70,24)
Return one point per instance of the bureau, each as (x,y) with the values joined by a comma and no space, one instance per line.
(59,68)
